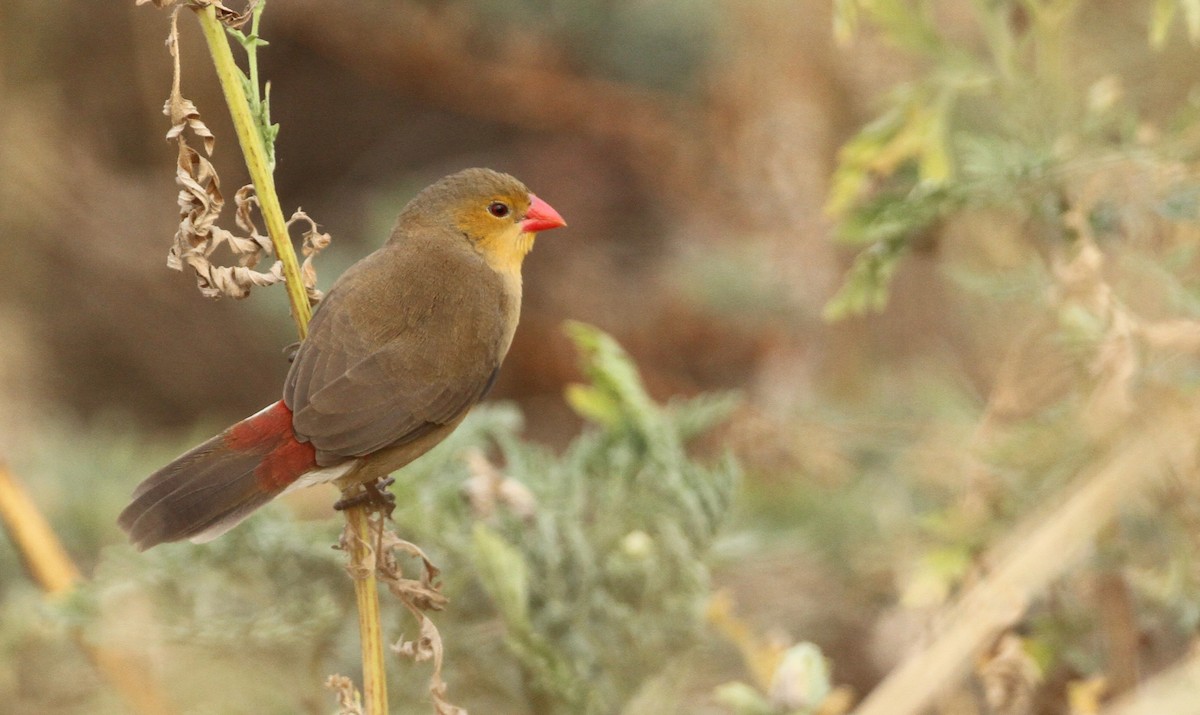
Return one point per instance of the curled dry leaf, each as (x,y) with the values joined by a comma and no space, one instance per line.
(1008,676)
(429,645)
(184,115)
(227,16)
(348,697)
(201,201)
(314,241)
(198,236)
(488,487)
(368,565)
(418,595)
(423,594)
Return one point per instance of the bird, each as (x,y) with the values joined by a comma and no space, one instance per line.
(403,344)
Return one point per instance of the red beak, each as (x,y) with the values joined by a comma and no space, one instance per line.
(541,216)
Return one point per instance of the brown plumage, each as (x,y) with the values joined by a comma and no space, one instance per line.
(404,344)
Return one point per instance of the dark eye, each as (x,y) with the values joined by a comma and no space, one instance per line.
(499,209)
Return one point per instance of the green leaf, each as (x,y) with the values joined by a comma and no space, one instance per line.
(1160,22)
(845,20)
(594,405)
(616,396)
(866,286)
(743,699)
(1191,17)
(504,575)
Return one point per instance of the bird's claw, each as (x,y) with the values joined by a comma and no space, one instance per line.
(374,495)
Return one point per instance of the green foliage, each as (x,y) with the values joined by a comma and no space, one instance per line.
(259,98)
(604,582)
(800,685)
(1165,12)
(568,602)
(1008,125)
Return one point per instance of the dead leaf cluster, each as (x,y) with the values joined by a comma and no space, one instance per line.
(201,201)
(418,595)
(489,488)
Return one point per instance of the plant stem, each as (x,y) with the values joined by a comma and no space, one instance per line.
(362,563)
(52,568)
(256,163)
(362,560)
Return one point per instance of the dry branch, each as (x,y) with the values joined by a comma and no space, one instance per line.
(52,568)
(1046,546)
(1174,691)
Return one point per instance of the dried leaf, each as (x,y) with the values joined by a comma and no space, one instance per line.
(422,594)
(1008,676)
(314,241)
(418,595)
(348,697)
(184,115)
(227,16)
(488,487)
(201,200)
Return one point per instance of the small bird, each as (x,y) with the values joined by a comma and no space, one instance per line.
(403,345)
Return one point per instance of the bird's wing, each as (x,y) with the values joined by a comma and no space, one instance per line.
(402,344)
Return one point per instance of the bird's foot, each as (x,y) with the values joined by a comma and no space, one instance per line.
(375,495)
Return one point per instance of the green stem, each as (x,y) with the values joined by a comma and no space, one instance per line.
(257,163)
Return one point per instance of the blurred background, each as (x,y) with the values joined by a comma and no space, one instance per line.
(943,252)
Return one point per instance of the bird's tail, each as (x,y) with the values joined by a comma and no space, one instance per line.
(214,486)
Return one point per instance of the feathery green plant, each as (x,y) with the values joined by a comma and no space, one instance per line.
(592,561)
(604,581)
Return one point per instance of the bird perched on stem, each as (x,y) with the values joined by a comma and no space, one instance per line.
(403,345)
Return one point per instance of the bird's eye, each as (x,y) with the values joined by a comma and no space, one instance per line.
(499,209)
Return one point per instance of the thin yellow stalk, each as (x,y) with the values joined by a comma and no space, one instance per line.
(43,553)
(54,571)
(362,560)
(362,563)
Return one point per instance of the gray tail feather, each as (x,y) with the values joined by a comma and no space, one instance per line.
(199,496)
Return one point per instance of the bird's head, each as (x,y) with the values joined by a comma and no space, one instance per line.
(494,211)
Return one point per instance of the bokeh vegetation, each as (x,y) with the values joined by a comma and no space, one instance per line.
(945,251)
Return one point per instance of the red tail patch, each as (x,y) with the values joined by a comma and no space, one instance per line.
(270,432)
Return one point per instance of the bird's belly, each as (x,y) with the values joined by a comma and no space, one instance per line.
(389,459)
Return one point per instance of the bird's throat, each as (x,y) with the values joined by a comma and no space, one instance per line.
(505,252)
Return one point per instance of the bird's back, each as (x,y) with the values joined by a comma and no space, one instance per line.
(407,340)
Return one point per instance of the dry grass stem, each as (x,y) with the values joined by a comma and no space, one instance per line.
(198,236)
(54,571)
(1049,543)
(257,161)
(359,542)
(1173,691)
(41,551)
